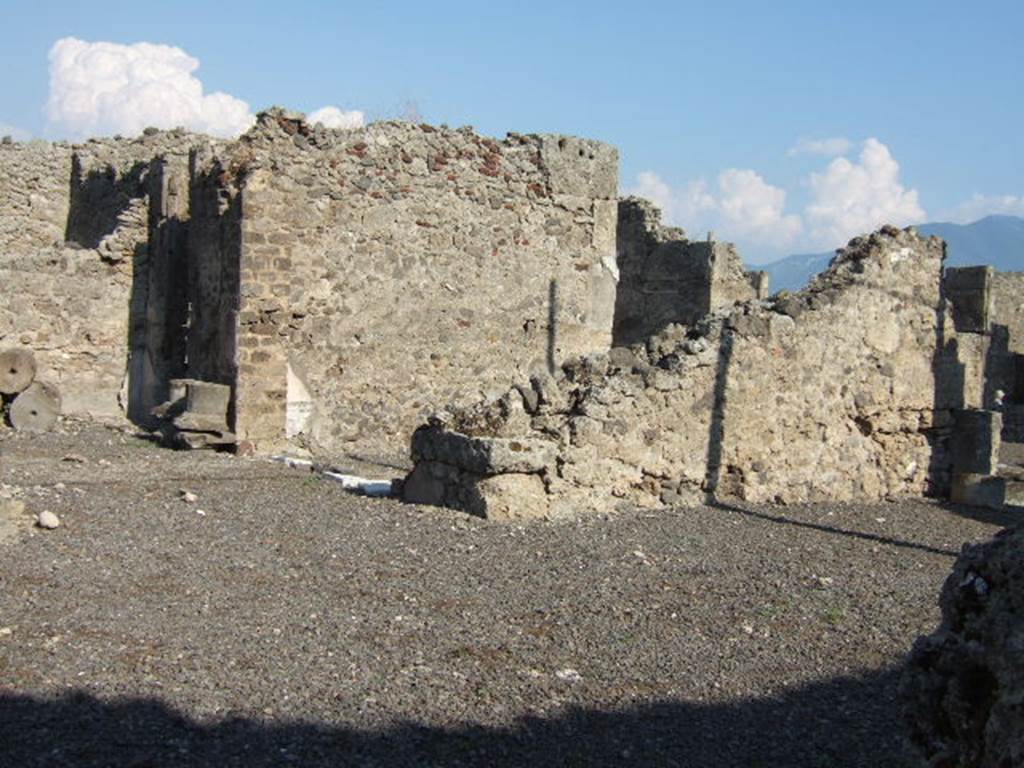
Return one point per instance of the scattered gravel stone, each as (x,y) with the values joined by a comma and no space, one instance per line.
(188,497)
(48,520)
(178,636)
(569,675)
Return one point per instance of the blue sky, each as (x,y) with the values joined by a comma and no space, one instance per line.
(784,125)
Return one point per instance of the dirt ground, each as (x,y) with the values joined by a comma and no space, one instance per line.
(279,620)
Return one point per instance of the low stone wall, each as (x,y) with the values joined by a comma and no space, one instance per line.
(829,394)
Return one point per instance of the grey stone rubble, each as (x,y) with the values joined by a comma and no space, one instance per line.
(963,684)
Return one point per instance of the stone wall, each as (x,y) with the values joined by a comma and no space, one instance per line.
(34,194)
(1005,362)
(1008,306)
(988,312)
(828,394)
(665,278)
(74,237)
(389,270)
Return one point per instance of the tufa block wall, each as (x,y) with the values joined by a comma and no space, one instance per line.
(389,270)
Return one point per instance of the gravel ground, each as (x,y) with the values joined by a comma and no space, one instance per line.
(278,620)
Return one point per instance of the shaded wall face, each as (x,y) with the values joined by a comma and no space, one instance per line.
(1004,363)
(989,314)
(74,233)
(160,290)
(665,278)
(402,268)
(214,253)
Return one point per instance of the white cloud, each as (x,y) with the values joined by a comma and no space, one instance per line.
(830,147)
(741,206)
(979,206)
(16,133)
(332,117)
(755,208)
(105,88)
(850,198)
(847,198)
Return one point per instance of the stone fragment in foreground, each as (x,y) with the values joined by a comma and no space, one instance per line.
(964,685)
(48,520)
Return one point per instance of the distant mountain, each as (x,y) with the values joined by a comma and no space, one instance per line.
(995,240)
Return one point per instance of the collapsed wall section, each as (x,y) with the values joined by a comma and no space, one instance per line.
(665,278)
(389,270)
(74,250)
(829,394)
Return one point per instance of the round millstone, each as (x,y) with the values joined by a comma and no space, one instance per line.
(17,370)
(36,409)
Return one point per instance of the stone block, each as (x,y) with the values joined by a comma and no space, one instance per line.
(421,486)
(208,398)
(976,440)
(978,490)
(482,455)
(511,497)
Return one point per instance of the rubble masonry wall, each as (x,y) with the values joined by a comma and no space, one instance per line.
(829,394)
(73,236)
(390,270)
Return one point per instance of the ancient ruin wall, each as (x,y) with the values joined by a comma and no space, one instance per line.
(34,195)
(824,395)
(392,269)
(989,315)
(73,240)
(1008,306)
(665,278)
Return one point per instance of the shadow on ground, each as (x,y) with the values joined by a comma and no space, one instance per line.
(838,722)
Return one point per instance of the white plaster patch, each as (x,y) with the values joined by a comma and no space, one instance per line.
(299,406)
(610,263)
